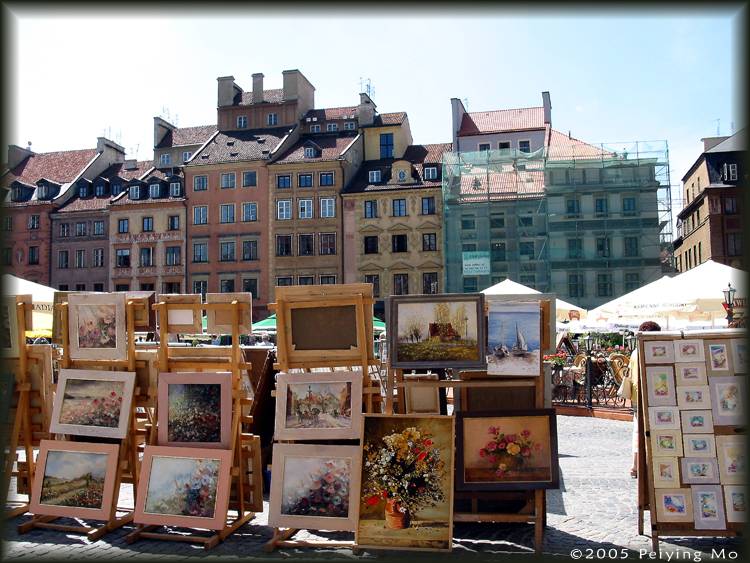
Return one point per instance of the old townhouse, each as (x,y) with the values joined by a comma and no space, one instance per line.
(173,146)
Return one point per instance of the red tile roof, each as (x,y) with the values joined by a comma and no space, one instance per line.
(185,136)
(396,118)
(562,147)
(269,96)
(118,170)
(60,167)
(481,122)
(115,171)
(86,204)
(329,147)
(349,112)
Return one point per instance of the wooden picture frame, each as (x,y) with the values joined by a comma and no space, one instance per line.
(661,387)
(201,419)
(674,505)
(512,350)
(90,469)
(692,373)
(666,443)
(296,472)
(728,400)
(708,504)
(485,461)
(187,472)
(423,400)
(698,470)
(739,355)
(145,317)
(220,322)
(718,356)
(666,472)
(182,321)
(96,326)
(697,422)
(699,445)
(310,409)
(658,352)
(689,350)
(664,418)
(93,403)
(731,451)
(430,320)
(9,345)
(735,503)
(692,397)
(58,299)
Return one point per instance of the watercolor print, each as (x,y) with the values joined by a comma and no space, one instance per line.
(666,443)
(693,373)
(514,339)
(674,505)
(689,351)
(97,326)
(739,355)
(727,400)
(658,352)
(697,422)
(661,390)
(708,503)
(719,357)
(699,445)
(694,397)
(664,418)
(699,470)
(666,472)
(735,502)
(732,455)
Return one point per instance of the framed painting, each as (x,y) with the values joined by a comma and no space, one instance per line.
(220,322)
(315,487)
(407,482)
(184,487)
(424,400)
(658,352)
(666,443)
(693,373)
(195,409)
(9,346)
(96,326)
(183,321)
(666,472)
(739,355)
(674,505)
(507,450)
(436,331)
(93,403)
(708,504)
(660,385)
(694,397)
(699,445)
(145,316)
(664,418)
(74,479)
(697,422)
(514,334)
(689,351)
(735,502)
(58,298)
(696,470)
(728,400)
(319,406)
(719,356)
(731,452)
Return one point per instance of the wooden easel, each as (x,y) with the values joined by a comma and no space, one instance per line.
(127,464)
(245,447)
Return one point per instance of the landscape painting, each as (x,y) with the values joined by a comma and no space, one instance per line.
(437,331)
(674,505)
(514,333)
(97,326)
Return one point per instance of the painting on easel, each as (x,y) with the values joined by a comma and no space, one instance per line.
(96,324)
(514,335)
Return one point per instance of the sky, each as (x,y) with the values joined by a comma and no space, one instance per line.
(613,76)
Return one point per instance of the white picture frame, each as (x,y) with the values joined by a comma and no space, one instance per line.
(694,397)
(731,451)
(658,352)
(96,326)
(660,385)
(689,350)
(666,472)
(699,470)
(666,443)
(719,357)
(739,355)
(697,422)
(664,418)
(708,505)
(699,445)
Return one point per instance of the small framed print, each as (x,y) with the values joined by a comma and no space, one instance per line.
(708,503)
(658,352)
(660,386)
(719,357)
(739,355)
(727,400)
(666,443)
(689,351)
(96,325)
(732,454)
(697,422)
(694,397)
(735,502)
(697,470)
(666,472)
(693,373)
(674,505)
(699,445)
(664,418)
(183,321)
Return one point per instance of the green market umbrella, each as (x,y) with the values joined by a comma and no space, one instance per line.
(270,324)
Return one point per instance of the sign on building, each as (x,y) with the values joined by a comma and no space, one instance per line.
(476,263)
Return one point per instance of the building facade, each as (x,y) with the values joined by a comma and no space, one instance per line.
(173,146)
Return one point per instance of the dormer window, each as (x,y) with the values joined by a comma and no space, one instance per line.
(402,176)
(314,128)
(272,119)
(164,159)
(100,190)
(350,126)
(430,173)
(135,192)
(186,156)
(175,189)
(116,189)
(154,190)
(43,192)
(83,190)
(374,176)
(241,122)
(332,127)
(16,194)
(309,152)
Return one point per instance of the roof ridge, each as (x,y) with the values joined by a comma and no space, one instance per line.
(505,109)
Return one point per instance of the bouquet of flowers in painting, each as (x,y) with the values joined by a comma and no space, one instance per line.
(92,403)
(194,413)
(508,452)
(320,489)
(97,326)
(183,486)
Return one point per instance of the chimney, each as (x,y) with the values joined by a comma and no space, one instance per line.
(226,90)
(130,164)
(547,108)
(16,155)
(457,115)
(711,142)
(257,87)
(365,110)
(161,128)
(104,145)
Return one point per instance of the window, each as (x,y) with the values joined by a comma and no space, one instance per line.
(226,286)
(628,206)
(200,252)
(428,205)
(371,245)
(173,223)
(430,172)
(314,128)
(503,145)
(467,223)
(64,228)
(575,285)
(497,221)
(600,206)
(604,285)
(730,206)
(227,180)
(62,259)
(374,279)
(327,279)
(575,248)
(526,249)
(470,285)
(80,229)
(175,189)
(284,209)
(734,244)
(80,287)
(226,213)
(146,257)
(100,190)
(602,247)
(283,181)
(186,156)
(33,222)
(200,215)
(98,258)
(468,247)
(200,286)
(305,280)
(116,189)
(200,183)
(732,172)
(573,207)
(249,211)
(632,281)
(525,221)
(134,192)
(430,283)
(305,209)
(164,159)
(284,280)
(398,243)
(326,179)
(148,224)
(241,122)
(483,147)
(123,226)
(400,284)
(250,285)
(228,251)
(83,190)
(327,244)
(497,251)
(350,126)
(174,256)
(154,190)
(122,257)
(524,146)
(327,207)
(305,180)
(7,256)
(332,127)
(99,287)
(33,255)
(272,119)
(373,176)
(429,242)
(309,152)
(371,209)
(386,145)
(98,228)
(306,245)
(630,248)
(249,249)
(249,179)
(399,207)
(283,245)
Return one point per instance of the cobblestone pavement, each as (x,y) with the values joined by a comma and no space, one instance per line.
(595,508)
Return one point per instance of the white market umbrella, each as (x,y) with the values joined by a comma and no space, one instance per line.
(42,298)
(509,287)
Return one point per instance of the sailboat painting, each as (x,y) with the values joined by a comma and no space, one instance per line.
(514,339)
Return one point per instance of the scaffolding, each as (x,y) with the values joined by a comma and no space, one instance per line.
(587,221)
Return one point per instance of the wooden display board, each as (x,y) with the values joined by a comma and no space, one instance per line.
(649,367)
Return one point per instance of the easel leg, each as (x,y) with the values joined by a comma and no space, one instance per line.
(655,542)
(279,535)
(538,521)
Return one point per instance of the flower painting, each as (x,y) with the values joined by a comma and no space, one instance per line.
(727,400)
(407,482)
(699,445)
(663,417)
(691,373)
(697,422)
(666,443)
(514,333)
(97,326)
(689,351)
(694,397)
(674,505)
(708,504)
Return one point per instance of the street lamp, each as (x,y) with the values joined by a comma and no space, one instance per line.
(729,301)
(587,343)
(631,341)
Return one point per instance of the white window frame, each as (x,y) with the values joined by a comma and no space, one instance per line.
(204,182)
(272,119)
(374,177)
(204,246)
(255,185)
(205,207)
(150,257)
(350,125)
(80,253)
(324,203)
(309,152)
(134,192)
(227,175)
(320,244)
(98,255)
(164,159)
(34,222)
(97,231)
(332,127)
(305,209)
(63,264)
(733,171)
(186,156)
(315,128)
(154,190)
(167,255)
(227,207)
(430,172)
(286,205)
(247,205)
(175,189)
(241,122)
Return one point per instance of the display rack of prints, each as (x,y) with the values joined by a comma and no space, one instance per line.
(692,417)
